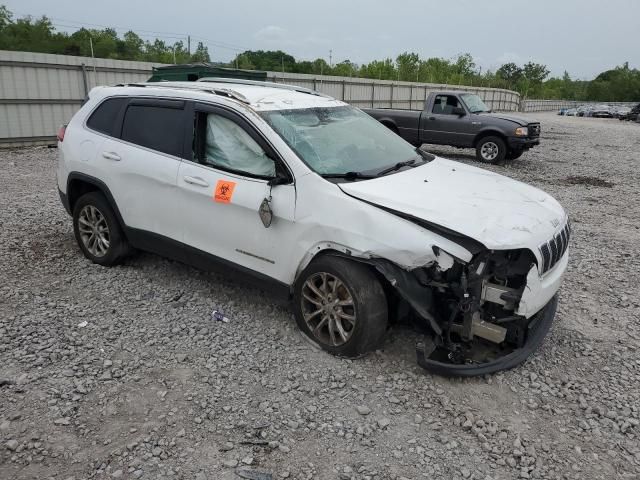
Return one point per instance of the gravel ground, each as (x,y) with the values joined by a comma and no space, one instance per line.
(121,373)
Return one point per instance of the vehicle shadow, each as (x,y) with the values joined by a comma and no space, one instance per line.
(451,153)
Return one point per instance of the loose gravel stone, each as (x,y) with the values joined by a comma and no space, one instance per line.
(363,410)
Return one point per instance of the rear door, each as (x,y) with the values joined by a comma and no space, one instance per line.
(442,126)
(222,188)
(140,165)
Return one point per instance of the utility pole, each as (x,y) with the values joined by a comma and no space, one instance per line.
(330,58)
(93,58)
(189,44)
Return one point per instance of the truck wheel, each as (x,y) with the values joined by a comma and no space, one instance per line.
(514,154)
(491,150)
(98,231)
(340,306)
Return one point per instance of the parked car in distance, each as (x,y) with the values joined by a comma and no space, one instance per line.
(571,112)
(462,120)
(584,111)
(601,111)
(620,111)
(633,114)
(316,201)
(562,111)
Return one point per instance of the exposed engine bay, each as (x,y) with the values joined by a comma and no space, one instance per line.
(468,311)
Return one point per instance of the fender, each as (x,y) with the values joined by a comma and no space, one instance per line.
(100,185)
(489,131)
(327,247)
(403,281)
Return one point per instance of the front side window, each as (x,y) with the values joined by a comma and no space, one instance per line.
(444,104)
(154,127)
(228,146)
(337,140)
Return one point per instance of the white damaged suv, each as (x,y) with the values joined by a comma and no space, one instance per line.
(321,204)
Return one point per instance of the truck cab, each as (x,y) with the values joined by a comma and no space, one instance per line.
(463,120)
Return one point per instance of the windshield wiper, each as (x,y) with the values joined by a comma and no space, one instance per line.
(348,175)
(425,155)
(395,167)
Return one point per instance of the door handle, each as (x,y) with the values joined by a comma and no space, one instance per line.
(195,181)
(432,118)
(111,156)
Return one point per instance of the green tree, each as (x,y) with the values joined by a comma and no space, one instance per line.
(381,69)
(5,17)
(408,66)
(344,69)
(201,54)
(510,73)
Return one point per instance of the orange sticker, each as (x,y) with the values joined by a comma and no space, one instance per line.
(224,191)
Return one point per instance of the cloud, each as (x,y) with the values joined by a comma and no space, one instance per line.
(509,57)
(271,34)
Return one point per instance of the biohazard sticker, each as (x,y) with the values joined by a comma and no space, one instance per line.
(224,191)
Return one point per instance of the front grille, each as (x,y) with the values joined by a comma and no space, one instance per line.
(534,129)
(553,250)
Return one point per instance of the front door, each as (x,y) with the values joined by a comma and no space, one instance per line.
(442,126)
(223,187)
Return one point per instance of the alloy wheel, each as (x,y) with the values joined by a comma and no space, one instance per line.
(94,231)
(328,309)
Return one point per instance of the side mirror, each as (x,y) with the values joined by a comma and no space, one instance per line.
(458,111)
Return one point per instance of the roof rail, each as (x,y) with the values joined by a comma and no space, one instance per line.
(225,92)
(257,83)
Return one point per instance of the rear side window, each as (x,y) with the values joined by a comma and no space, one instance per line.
(157,128)
(104,118)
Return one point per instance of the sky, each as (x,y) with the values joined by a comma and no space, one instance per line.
(583,37)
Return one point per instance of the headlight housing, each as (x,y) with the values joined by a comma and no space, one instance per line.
(522,132)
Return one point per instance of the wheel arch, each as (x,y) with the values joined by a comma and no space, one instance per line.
(488,133)
(79,184)
(390,124)
(322,249)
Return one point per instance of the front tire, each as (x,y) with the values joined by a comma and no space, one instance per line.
(340,306)
(491,150)
(97,230)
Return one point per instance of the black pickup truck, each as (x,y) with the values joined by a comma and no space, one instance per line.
(462,120)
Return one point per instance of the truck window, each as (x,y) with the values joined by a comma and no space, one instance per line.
(444,104)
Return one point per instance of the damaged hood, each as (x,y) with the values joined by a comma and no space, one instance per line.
(494,210)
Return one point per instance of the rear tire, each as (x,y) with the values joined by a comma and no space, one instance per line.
(97,230)
(491,150)
(340,306)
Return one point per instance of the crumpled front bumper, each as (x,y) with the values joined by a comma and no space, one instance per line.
(537,331)
(540,289)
